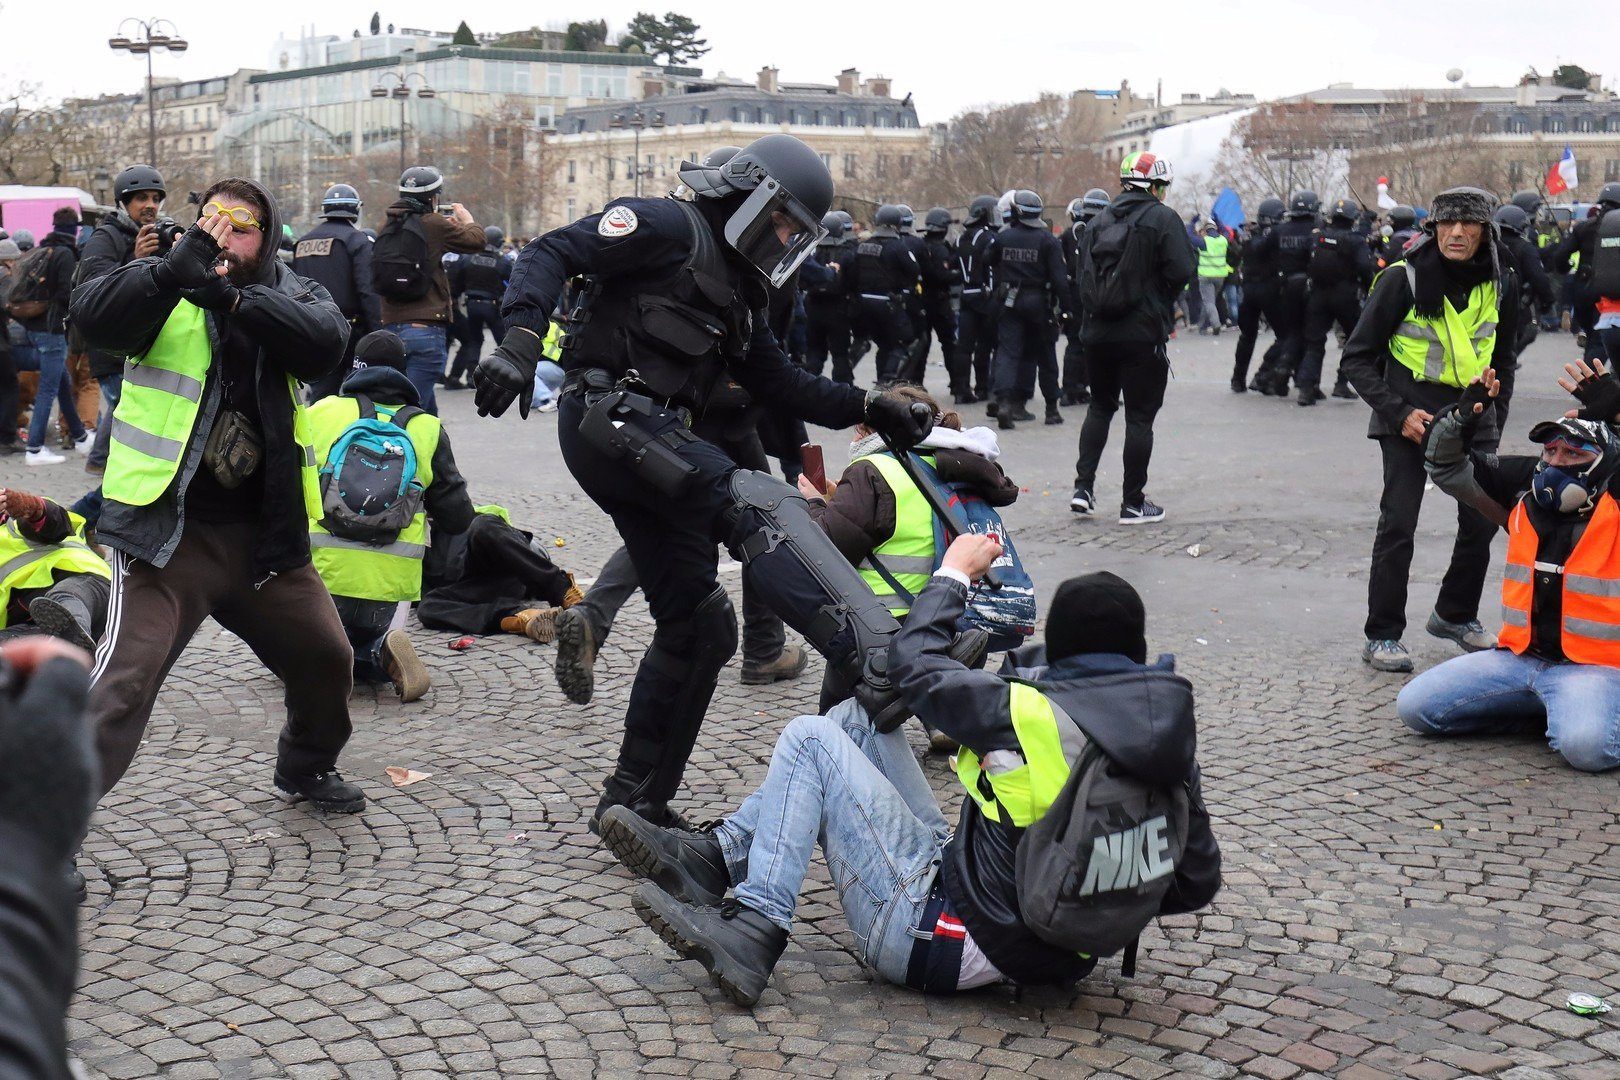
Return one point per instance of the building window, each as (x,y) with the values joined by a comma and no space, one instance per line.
(1611,170)
(568,209)
(571,171)
(1515,173)
(611,163)
(849,166)
(1553,125)
(826,160)
(1586,123)
(905,164)
(881,168)
(1516,125)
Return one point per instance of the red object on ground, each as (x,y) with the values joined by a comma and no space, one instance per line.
(463,644)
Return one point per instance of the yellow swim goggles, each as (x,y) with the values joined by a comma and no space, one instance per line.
(239,215)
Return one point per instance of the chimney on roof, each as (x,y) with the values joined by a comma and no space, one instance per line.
(877,86)
(767,79)
(849,81)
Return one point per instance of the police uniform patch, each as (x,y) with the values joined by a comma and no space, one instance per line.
(313,249)
(619,221)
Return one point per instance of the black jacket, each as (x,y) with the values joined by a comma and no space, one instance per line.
(39,955)
(1140,715)
(1172,262)
(299,332)
(881,265)
(973,249)
(449,510)
(63,252)
(337,256)
(105,250)
(1030,259)
(1387,386)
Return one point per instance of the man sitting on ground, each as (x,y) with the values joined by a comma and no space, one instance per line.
(50,576)
(931,911)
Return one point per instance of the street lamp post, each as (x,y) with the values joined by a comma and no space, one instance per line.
(152,38)
(635,121)
(401,89)
(1040,150)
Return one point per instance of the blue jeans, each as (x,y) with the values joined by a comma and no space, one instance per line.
(111,387)
(1497,691)
(1234,300)
(863,796)
(426,349)
(548,379)
(53,386)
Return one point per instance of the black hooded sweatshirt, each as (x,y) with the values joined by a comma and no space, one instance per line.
(283,325)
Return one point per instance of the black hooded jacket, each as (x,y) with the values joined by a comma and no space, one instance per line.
(287,325)
(1141,715)
(105,250)
(1168,266)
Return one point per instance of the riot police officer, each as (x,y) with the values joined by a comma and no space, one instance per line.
(1076,382)
(1290,243)
(1403,229)
(939,274)
(671,307)
(879,278)
(1340,270)
(911,369)
(826,311)
(1030,278)
(976,326)
(479,278)
(1262,292)
(1580,247)
(337,254)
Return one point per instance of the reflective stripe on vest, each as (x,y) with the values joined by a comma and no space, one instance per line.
(908,553)
(1590,630)
(29,564)
(158,408)
(1212,259)
(384,572)
(1023,783)
(1454,349)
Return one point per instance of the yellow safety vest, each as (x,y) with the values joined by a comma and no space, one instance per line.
(29,564)
(158,408)
(1024,782)
(387,572)
(1454,349)
(908,553)
(1212,260)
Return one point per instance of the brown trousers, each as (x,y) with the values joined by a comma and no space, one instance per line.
(288,621)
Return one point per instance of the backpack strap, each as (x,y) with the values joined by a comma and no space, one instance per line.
(1127,965)
(405,414)
(890,580)
(368,411)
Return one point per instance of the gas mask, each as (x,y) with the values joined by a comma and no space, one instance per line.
(1573,489)
(1562,490)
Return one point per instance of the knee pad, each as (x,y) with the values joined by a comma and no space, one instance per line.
(693,651)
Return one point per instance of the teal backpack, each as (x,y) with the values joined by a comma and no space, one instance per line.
(370,489)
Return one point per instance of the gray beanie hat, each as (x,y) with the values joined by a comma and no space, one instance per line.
(9,249)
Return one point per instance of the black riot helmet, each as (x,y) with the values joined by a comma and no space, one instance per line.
(1074,208)
(832,223)
(342,202)
(1271,210)
(1347,211)
(421,184)
(1528,201)
(887,217)
(494,235)
(1609,196)
(1512,219)
(982,210)
(719,156)
(1093,203)
(908,218)
(1403,217)
(1303,203)
(772,181)
(135,179)
(937,222)
(1027,206)
(848,219)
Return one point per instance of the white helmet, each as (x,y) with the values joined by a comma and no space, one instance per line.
(1144,169)
(1004,208)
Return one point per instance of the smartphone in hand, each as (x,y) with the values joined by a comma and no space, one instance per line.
(815,465)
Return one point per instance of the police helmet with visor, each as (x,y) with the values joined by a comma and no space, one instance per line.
(778,184)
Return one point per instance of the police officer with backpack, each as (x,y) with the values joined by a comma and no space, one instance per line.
(879,279)
(976,325)
(1290,244)
(1340,270)
(481,278)
(673,306)
(338,255)
(1103,792)
(1262,290)
(1076,383)
(939,274)
(1030,277)
(826,303)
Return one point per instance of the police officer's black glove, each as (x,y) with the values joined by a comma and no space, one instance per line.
(1599,396)
(904,423)
(190,263)
(218,295)
(507,374)
(47,758)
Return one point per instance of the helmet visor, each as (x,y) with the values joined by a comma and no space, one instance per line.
(755,231)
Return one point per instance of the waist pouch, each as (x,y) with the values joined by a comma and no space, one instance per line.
(235,449)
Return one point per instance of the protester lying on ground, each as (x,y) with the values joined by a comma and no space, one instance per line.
(50,577)
(386,470)
(47,789)
(937,912)
(493,578)
(1558,662)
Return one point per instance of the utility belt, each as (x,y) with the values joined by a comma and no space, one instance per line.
(618,417)
(936,954)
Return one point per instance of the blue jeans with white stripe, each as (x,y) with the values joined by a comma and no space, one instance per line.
(834,780)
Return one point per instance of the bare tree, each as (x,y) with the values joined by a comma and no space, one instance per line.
(1041,144)
(1283,146)
(1426,145)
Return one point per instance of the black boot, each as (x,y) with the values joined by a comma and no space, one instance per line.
(1309,395)
(576,655)
(1005,414)
(991,407)
(1052,414)
(326,791)
(74,609)
(1341,389)
(686,865)
(1020,409)
(738,945)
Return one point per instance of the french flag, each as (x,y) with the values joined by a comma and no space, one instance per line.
(1561,177)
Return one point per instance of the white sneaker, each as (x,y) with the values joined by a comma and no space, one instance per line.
(84,443)
(43,456)
(550,406)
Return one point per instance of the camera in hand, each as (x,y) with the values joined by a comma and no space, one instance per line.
(168,231)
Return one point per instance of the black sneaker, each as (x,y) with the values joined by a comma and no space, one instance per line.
(66,618)
(738,945)
(1141,514)
(687,865)
(1083,501)
(576,655)
(326,791)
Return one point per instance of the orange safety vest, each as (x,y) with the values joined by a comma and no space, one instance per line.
(1591,619)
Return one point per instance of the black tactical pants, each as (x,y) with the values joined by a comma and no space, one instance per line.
(1327,305)
(826,332)
(976,339)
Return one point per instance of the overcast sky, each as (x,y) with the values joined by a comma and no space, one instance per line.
(932,50)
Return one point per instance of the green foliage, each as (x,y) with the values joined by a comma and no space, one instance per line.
(463,35)
(587,36)
(673,37)
(1571,76)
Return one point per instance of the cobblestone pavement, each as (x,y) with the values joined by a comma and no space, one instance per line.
(1392,906)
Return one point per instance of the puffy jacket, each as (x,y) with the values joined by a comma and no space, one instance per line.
(299,331)
(1171,264)
(1120,704)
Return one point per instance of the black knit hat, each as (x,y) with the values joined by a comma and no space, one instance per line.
(1096,613)
(380,348)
